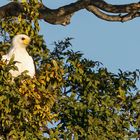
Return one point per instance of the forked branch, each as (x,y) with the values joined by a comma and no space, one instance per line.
(62,15)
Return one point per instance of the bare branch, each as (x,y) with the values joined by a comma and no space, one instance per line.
(11,9)
(112,18)
(124,8)
(62,15)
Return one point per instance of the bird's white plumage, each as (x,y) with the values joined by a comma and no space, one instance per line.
(23,60)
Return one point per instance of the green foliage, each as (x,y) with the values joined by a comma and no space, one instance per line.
(25,103)
(96,104)
(86,100)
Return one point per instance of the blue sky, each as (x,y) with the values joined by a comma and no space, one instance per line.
(116,45)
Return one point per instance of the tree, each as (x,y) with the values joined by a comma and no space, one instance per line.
(84,98)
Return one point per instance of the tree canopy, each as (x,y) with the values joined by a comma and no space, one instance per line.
(82,98)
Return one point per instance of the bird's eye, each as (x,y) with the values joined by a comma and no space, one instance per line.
(22,38)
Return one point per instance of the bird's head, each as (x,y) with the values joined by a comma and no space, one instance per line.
(21,41)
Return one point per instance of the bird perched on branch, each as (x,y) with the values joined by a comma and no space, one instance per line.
(23,60)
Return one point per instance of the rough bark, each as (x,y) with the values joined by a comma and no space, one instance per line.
(62,15)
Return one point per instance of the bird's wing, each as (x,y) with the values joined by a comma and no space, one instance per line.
(30,66)
(8,56)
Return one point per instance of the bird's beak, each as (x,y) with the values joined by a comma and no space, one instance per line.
(26,41)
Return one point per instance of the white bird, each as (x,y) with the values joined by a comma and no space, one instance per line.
(23,60)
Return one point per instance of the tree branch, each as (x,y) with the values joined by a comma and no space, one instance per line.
(112,18)
(11,9)
(124,8)
(62,15)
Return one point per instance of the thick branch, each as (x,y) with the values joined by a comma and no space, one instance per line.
(11,9)
(63,14)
